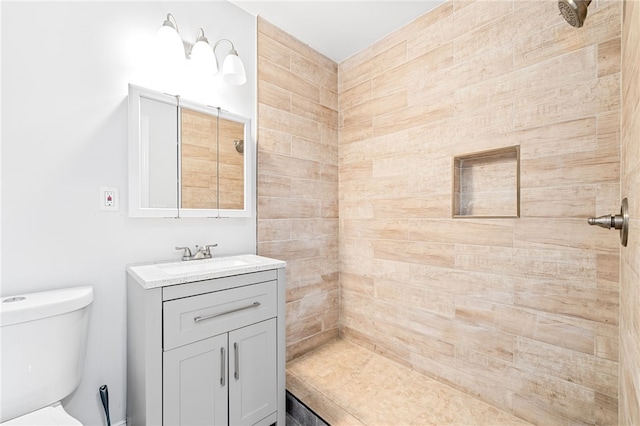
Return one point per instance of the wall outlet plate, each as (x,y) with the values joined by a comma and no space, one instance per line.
(109,198)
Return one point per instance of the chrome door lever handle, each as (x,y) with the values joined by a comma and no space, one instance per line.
(619,221)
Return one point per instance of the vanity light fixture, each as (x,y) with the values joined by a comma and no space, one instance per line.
(169,40)
(202,55)
(232,67)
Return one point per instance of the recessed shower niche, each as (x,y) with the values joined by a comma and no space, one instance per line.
(487,184)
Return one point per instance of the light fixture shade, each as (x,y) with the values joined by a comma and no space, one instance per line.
(233,69)
(203,58)
(170,47)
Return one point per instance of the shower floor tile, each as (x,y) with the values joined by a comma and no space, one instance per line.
(348,385)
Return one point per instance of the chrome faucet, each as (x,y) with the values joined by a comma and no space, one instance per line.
(202,252)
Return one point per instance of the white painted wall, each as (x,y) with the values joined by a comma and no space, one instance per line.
(65,70)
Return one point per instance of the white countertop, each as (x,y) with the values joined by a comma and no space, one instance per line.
(161,274)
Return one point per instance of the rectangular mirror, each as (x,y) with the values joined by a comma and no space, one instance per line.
(185,159)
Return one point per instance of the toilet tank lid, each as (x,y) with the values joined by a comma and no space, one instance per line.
(33,306)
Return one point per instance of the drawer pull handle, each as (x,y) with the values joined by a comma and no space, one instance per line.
(223,358)
(242,308)
(236,351)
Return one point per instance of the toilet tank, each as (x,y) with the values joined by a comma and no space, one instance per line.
(43,339)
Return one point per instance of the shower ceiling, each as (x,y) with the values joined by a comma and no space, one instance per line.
(338,29)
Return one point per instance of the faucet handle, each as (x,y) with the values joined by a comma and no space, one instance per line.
(187,252)
(207,248)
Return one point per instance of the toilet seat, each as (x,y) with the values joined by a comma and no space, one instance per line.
(53,415)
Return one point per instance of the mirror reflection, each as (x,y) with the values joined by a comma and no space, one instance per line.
(212,164)
(199,160)
(231,164)
(186,159)
(158,135)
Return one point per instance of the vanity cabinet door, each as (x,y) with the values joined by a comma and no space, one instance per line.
(195,385)
(252,373)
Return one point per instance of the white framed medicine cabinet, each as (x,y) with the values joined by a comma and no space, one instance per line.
(187,159)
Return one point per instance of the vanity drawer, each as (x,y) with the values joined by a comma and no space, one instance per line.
(195,318)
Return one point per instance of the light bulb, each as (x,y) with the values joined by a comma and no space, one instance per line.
(169,43)
(202,55)
(233,69)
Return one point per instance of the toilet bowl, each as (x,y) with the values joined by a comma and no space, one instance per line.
(43,339)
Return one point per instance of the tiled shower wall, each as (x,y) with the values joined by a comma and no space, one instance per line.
(522,313)
(630,165)
(298,181)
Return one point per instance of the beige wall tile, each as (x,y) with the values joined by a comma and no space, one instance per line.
(476,14)
(281,77)
(568,137)
(474,378)
(274,230)
(298,181)
(521,313)
(580,168)
(373,108)
(554,329)
(481,232)
(393,56)
(539,410)
(436,302)
(609,57)
(415,206)
(303,327)
(299,348)
(315,111)
(629,391)
(355,96)
(265,28)
(314,151)
(271,165)
(329,98)
(604,24)
(413,74)
(285,122)
(567,233)
(599,305)
(543,264)
(412,116)
(607,342)
(356,132)
(274,186)
(415,252)
(606,410)
(571,201)
(608,270)
(575,367)
(271,50)
(275,97)
(274,141)
(483,67)
(324,74)
(431,30)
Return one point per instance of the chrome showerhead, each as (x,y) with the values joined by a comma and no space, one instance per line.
(574,11)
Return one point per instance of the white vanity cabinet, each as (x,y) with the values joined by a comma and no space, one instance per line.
(206,351)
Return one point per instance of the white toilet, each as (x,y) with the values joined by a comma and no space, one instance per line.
(43,340)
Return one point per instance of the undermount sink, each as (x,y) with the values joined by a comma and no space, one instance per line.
(201,266)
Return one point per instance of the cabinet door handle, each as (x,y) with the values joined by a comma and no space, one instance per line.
(223,358)
(236,351)
(242,308)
